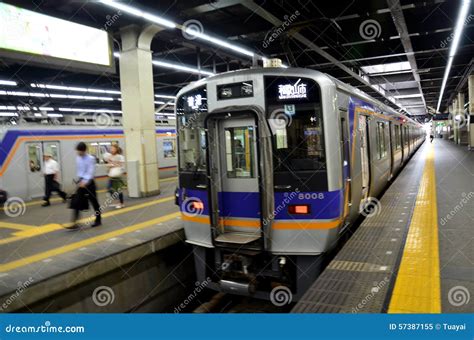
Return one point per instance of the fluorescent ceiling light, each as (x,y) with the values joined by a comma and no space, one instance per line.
(216,41)
(166,64)
(454,46)
(73,88)
(38,115)
(8,114)
(408,96)
(69,109)
(139,13)
(387,68)
(52,95)
(8,82)
(3,107)
(164,96)
(55,115)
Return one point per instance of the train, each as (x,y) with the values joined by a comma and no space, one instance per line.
(273,165)
(23,146)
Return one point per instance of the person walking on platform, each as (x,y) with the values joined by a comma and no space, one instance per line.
(86,188)
(51,184)
(115,163)
(431,138)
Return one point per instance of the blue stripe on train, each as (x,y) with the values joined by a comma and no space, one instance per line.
(239,204)
(323,205)
(11,136)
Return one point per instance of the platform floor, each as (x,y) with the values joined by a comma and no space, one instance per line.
(35,246)
(416,254)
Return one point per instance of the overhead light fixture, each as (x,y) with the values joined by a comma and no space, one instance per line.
(178,67)
(173,66)
(164,96)
(415,95)
(52,95)
(8,82)
(454,47)
(73,88)
(139,13)
(216,41)
(55,115)
(8,114)
(69,109)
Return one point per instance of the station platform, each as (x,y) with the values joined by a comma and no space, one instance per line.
(415,254)
(38,253)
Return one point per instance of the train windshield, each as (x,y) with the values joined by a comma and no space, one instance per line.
(191,109)
(295,118)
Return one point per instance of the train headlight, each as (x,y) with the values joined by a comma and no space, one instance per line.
(299,209)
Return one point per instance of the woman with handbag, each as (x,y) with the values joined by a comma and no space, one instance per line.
(115,162)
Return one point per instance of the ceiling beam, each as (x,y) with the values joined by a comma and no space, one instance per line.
(399,20)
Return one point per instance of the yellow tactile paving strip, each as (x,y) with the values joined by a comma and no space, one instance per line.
(417,287)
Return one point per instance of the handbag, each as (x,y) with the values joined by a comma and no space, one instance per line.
(79,200)
(116,171)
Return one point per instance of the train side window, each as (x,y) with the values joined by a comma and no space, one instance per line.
(34,158)
(380,140)
(398,143)
(169,148)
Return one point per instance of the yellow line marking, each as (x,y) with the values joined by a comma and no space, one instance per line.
(417,287)
(57,199)
(15,226)
(56,226)
(47,228)
(87,242)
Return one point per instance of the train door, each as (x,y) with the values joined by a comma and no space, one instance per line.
(239,207)
(345,154)
(35,166)
(364,155)
(34,151)
(391,143)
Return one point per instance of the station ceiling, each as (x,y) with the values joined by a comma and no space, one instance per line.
(400,46)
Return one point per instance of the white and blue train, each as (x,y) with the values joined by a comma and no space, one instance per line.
(273,165)
(22,149)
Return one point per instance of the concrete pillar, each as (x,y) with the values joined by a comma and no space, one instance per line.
(462,125)
(138,110)
(453,123)
(471,112)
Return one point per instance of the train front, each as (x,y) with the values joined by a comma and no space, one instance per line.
(259,178)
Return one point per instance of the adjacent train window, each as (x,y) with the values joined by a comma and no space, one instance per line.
(34,157)
(380,140)
(398,137)
(405,135)
(239,152)
(294,116)
(100,150)
(169,148)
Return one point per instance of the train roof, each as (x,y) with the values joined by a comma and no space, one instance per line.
(387,110)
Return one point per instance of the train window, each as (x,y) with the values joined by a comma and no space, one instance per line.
(380,140)
(239,152)
(405,135)
(169,148)
(34,157)
(190,113)
(295,119)
(398,137)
